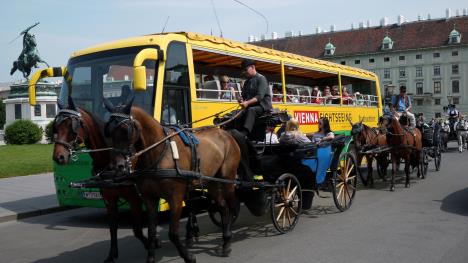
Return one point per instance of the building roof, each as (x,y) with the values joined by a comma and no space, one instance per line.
(410,35)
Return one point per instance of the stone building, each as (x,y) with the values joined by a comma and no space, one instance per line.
(429,57)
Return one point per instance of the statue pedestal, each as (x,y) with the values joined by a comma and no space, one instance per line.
(17,104)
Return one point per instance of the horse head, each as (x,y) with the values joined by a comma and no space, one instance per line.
(124,132)
(68,129)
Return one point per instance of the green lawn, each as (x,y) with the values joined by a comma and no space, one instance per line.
(17,160)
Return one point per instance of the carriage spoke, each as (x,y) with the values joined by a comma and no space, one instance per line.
(339,184)
(293,210)
(280,213)
(283,219)
(349,171)
(349,196)
(279,205)
(292,192)
(288,216)
(351,178)
(339,193)
(350,185)
(286,193)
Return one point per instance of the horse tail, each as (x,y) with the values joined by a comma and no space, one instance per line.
(244,170)
(14,68)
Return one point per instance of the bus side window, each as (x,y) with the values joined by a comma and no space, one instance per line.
(362,91)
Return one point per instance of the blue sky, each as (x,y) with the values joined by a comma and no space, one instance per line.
(66,26)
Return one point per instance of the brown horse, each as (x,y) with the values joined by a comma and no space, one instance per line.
(74,126)
(407,145)
(366,138)
(218,155)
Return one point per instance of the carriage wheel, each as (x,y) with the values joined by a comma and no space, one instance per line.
(286,203)
(344,181)
(215,215)
(437,159)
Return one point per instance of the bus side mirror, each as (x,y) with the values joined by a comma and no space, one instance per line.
(139,70)
(38,75)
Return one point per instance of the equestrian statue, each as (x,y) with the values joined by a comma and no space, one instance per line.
(29,56)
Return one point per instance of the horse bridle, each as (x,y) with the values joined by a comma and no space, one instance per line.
(116,120)
(76,121)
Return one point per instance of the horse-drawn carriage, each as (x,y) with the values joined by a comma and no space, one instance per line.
(272,178)
(284,171)
(394,141)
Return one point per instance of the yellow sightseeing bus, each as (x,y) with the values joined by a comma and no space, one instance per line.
(182,77)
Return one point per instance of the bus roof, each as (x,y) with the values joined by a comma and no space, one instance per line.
(230,45)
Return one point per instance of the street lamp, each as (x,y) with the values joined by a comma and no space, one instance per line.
(449,98)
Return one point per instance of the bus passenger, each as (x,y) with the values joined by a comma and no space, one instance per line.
(226,89)
(335,95)
(324,133)
(327,95)
(316,94)
(290,97)
(277,96)
(347,100)
(256,98)
(293,135)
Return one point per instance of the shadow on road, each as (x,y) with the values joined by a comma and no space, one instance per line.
(131,250)
(456,203)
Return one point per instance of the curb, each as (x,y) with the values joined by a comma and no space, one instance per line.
(40,212)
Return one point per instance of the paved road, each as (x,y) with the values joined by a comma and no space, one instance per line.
(426,223)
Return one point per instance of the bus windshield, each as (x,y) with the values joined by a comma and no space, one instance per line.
(109,75)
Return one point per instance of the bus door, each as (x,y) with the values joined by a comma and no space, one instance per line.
(176,93)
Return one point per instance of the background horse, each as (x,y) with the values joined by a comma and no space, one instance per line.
(218,155)
(462,134)
(366,138)
(407,145)
(73,127)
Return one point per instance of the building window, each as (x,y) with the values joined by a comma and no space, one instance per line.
(37,110)
(419,88)
(419,72)
(456,100)
(418,56)
(17,111)
(386,73)
(402,72)
(419,102)
(371,60)
(436,55)
(437,101)
(437,70)
(454,53)
(437,87)
(343,62)
(357,62)
(401,58)
(386,59)
(455,86)
(455,69)
(50,111)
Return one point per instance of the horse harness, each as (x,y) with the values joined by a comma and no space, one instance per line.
(77,122)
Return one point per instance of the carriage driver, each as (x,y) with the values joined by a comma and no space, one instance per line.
(402,104)
(256,97)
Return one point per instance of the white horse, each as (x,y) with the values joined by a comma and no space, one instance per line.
(462,134)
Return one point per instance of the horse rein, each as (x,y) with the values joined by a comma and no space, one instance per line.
(63,115)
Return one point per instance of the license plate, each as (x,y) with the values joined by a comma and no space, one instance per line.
(92,195)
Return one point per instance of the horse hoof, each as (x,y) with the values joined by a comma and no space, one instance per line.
(392,188)
(109,260)
(407,185)
(223,252)
(190,259)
